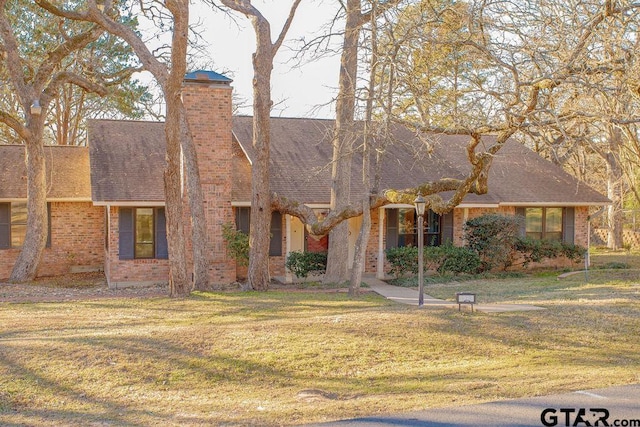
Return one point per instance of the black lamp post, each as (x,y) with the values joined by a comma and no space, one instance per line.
(420,204)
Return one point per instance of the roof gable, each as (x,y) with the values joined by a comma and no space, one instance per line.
(127,160)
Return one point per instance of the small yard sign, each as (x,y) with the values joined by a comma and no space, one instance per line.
(465,298)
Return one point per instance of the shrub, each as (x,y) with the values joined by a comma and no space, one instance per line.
(403,260)
(304,263)
(237,243)
(444,259)
(534,250)
(456,260)
(493,237)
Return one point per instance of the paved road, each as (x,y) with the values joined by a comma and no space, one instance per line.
(618,406)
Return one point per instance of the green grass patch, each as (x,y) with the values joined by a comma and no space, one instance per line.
(286,357)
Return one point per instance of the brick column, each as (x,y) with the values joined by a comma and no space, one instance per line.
(207,98)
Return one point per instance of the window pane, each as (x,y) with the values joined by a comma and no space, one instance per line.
(18,223)
(18,231)
(533,221)
(407,221)
(144,250)
(144,233)
(554,220)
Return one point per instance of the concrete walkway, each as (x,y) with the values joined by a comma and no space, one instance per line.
(410,296)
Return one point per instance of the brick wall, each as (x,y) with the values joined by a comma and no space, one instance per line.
(130,272)
(77,241)
(209,113)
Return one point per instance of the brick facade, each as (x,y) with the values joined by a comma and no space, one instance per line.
(130,272)
(209,113)
(77,241)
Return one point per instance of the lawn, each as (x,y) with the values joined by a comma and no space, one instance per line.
(286,358)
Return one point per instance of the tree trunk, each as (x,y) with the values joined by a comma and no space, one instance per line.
(26,265)
(614,191)
(259,234)
(342,145)
(360,257)
(179,281)
(196,206)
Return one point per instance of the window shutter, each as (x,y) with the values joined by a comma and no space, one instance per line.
(48,225)
(5,225)
(522,212)
(275,244)
(162,248)
(568,225)
(392,228)
(125,237)
(447,227)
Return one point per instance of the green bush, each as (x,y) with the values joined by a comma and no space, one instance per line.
(403,260)
(534,250)
(456,260)
(304,263)
(237,243)
(493,237)
(444,259)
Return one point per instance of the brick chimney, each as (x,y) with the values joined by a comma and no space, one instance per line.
(207,99)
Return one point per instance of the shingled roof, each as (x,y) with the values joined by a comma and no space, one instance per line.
(127,160)
(67,173)
(301,165)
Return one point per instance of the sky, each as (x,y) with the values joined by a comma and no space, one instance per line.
(297,91)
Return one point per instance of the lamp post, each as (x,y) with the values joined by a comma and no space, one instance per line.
(420,204)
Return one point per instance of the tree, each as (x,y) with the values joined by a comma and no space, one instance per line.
(266,49)
(35,83)
(590,123)
(169,79)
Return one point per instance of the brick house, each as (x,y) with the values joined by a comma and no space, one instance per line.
(107,200)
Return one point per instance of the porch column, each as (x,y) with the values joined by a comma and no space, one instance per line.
(288,277)
(380,266)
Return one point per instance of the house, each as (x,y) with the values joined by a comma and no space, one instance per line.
(107,203)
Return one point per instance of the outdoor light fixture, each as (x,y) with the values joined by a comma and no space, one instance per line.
(420,204)
(36,109)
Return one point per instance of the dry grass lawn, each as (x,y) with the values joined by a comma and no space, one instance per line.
(285,358)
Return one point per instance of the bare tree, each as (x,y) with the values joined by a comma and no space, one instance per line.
(266,49)
(177,132)
(35,87)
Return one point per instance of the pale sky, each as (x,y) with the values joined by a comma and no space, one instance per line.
(296,91)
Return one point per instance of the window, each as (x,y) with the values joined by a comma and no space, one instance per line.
(145,241)
(548,223)
(402,228)
(544,223)
(13,224)
(243,223)
(142,233)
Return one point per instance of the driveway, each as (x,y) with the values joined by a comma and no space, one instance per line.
(614,406)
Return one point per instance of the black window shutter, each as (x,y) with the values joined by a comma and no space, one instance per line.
(275,244)
(49,225)
(162,248)
(522,212)
(125,226)
(5,225)
(447,227)
(568,225)
(392,228)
